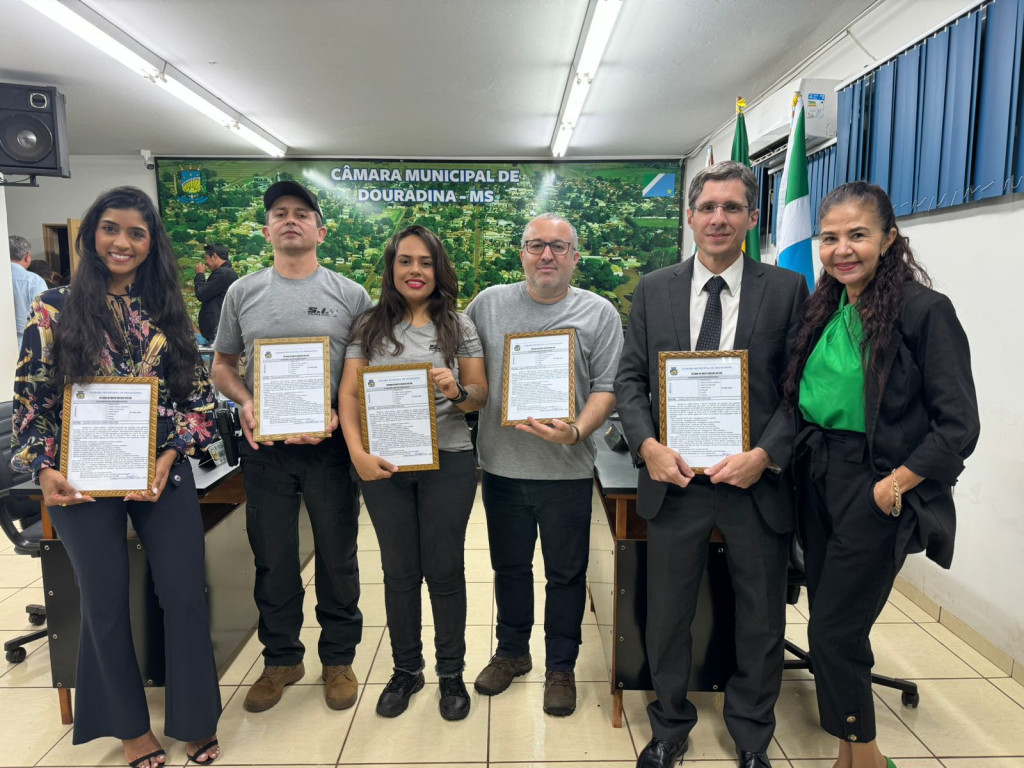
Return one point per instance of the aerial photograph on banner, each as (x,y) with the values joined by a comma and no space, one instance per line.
(627,215)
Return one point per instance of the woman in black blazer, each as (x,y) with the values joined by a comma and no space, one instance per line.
(880,379)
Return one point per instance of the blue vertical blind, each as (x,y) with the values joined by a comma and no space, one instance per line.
(942,123)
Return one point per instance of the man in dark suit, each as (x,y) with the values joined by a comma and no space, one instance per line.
(719,299)
(210,289)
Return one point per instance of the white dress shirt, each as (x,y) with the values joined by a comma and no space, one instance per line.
(730,297)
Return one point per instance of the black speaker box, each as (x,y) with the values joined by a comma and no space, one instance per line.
(33,131)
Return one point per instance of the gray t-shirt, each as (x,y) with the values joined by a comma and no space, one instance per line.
(266,305)
(420,346)
(503,309)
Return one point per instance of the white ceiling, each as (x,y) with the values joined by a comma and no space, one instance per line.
(418,78)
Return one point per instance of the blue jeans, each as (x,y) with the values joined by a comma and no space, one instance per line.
(560,510)
(420,519)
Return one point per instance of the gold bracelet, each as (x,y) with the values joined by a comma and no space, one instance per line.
(578,435)
(897,497)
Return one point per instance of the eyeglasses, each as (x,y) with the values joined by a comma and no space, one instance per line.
(558,247)
(729,209)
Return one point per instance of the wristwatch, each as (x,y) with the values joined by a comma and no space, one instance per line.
(463,394)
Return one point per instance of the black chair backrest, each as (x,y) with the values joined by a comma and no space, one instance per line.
(19,508)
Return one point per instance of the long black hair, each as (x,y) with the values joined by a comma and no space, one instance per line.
(86,319)
(878,305)
(375,328)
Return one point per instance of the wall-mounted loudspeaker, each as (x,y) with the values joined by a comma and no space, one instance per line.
(33,131)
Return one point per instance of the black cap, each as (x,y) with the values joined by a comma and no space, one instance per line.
(282,188)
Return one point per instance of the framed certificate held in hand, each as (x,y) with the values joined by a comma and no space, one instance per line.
(398,415)
(108,437)
(704,405)
(291,387)
(539,377)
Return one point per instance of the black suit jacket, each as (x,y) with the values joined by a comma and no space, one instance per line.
(210,290)
(771,306)
(926,418)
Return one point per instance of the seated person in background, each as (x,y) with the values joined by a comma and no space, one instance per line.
(45,271)
(420,517)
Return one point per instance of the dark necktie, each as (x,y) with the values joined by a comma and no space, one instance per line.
(711,326)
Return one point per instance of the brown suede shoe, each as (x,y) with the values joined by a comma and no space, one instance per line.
(498,674)
(340,686)
(559,692)
(267,691)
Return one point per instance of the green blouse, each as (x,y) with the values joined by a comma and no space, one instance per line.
(832,385)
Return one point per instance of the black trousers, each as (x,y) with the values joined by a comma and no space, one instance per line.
(758,561)
(420,519)
(276,479)
(851,566)
(560,510)
(109,696)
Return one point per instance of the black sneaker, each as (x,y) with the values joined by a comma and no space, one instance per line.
(454,704)
(394,700)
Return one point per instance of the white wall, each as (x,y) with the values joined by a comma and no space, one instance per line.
(972,253)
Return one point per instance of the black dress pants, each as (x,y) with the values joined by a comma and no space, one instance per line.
(758,561)
(109,696)
(851,566)
(277,477)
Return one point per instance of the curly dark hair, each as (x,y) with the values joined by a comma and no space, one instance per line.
(375,328)
(86,318)
(878,305)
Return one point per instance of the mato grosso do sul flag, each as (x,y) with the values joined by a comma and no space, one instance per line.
(793,225)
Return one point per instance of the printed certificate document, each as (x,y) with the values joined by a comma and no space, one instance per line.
(539,377)
(292,387)
(704,405)
(398,416)
(108,439)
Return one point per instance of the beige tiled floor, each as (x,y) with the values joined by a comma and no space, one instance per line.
(971,714)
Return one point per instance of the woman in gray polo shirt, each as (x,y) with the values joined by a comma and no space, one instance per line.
(420,517)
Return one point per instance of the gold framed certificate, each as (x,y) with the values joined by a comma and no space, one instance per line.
(291,387)
(539,377)
(108,435)
(704,402)
(398,415)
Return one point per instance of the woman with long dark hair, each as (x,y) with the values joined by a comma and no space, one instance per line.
(881,380)
(420,517)
(125,316)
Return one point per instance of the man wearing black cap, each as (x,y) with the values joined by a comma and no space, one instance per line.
(210,289)
(296,298)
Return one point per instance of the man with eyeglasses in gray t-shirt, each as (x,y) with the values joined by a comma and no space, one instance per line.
(539,476)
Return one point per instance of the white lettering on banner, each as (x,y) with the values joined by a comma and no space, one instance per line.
(430,175)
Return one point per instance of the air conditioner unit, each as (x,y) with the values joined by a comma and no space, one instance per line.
(768,124)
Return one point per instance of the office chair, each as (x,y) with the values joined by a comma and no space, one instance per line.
(797,580)
(22,522)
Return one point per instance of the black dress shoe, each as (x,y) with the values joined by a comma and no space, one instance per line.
(754,760)
(394,699)
(662,754)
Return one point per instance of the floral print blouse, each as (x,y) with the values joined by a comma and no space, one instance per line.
(38,404)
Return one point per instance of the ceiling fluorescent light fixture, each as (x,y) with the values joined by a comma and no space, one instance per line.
(597,31)
(78,18)
(93,35)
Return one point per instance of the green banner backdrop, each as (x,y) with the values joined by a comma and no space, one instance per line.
(627,215)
